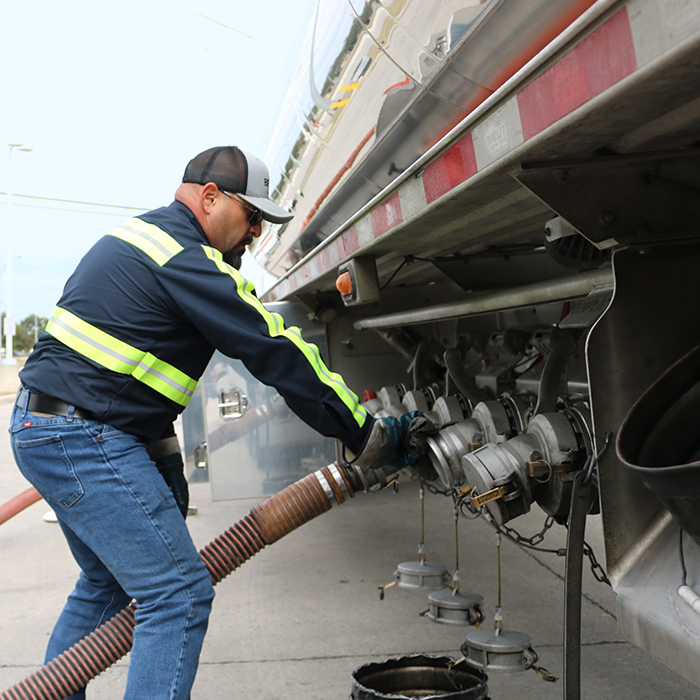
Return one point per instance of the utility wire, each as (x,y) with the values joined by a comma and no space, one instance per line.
(221,24)
(72,201)
(113,214)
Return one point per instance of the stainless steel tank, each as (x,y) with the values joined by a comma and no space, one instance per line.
(377,84)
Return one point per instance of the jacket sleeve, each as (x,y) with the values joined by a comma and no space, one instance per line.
(223,306)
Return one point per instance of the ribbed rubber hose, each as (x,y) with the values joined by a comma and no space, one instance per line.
(268,522)
(17,504)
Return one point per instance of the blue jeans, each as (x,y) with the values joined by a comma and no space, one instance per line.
(130,541)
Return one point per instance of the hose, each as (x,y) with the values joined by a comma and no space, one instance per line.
(581,498)
(17,504)
(268,522)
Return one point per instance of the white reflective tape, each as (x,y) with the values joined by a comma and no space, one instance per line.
(326,487)
(339,479)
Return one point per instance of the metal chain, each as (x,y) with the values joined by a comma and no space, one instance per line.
(596,569)
(533,541)
(440,492)
(462,502)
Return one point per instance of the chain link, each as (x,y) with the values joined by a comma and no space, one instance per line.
(440,492)
(533,541)
(462,502)
(596,569)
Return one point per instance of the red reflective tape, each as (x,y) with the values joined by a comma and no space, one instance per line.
(348,243)
(453,167)
(600,61)
(387,215)
(324,260)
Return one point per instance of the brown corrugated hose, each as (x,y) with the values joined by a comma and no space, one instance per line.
(21,501)
(268,522)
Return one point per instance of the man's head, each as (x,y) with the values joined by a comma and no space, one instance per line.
(234,170)
(227,190)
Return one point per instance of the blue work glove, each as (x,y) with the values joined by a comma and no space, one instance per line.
(168,459)
(398,442)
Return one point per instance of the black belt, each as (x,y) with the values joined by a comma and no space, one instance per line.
(41,403)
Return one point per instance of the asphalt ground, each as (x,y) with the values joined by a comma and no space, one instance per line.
(294,622)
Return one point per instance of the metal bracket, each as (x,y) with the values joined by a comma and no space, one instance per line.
(200,456)
(621,199)
(233,403)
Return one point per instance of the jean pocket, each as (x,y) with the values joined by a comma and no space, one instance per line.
(45,463)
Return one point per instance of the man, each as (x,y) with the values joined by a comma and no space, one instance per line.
(136,325)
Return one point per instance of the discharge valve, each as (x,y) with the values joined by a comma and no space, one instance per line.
(537,465)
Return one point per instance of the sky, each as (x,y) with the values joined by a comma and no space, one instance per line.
(113,99)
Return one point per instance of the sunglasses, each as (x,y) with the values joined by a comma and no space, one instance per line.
(254,217)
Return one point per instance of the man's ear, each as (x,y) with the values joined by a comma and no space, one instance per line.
(209,195)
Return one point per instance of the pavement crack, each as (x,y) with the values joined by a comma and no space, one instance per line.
(590,599)
(364,658)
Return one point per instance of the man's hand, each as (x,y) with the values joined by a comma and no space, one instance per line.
(397,442)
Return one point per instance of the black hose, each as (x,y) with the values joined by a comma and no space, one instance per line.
(581,495)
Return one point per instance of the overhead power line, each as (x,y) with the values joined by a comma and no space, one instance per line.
(221,24)
(72,201)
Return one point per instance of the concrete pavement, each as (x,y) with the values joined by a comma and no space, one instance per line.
(296,620)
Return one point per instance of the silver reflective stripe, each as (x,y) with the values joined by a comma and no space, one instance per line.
(152,371)
(129,362)
(153,241)
(118,356)
(150,239)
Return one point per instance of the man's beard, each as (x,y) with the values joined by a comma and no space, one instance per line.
(233,259)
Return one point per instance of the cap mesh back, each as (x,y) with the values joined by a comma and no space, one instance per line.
(225,166)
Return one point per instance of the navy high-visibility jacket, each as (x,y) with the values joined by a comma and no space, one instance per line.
(140,318)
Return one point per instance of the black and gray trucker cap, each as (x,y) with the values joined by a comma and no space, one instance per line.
(235,170)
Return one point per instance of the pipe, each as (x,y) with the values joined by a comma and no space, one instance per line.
(464,382)
(268,522)
(17,504)
(551,291)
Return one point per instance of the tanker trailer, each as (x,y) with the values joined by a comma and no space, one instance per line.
(497,224)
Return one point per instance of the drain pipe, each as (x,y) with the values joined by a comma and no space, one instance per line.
(266,523)
(17,504)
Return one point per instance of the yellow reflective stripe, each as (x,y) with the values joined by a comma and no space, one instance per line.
(275,325)
(156,243)
(93,343)
(113,354)
(165,379)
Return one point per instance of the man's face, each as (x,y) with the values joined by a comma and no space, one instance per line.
(231,230)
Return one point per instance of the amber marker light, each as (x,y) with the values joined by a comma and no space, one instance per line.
(344,284)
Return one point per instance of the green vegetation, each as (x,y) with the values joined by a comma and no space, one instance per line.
(26,333)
